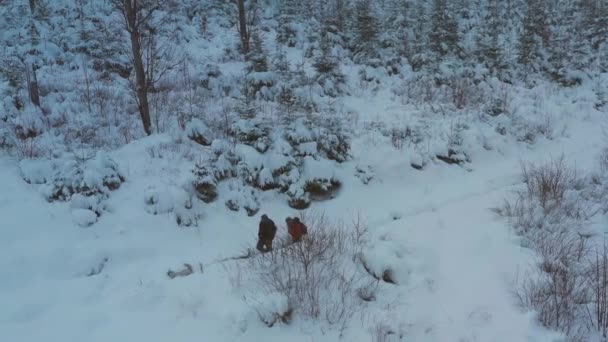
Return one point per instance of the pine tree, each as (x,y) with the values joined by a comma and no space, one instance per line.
(444,31)
(488,38)
(259,79)
(418,54)
(287,32)
(595,26)
(257,60)
(366,32)
(394,39)
(329,76)
(534,36)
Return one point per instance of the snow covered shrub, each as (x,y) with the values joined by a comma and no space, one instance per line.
(296,158)
(172,199)
(205,183)
(552,214)
(94,204)
(316,277)
(365,173)
(274,308)
(94,177)
(334,145)
(298,197)
(382,332)
(37,171)
(597,282)
(29,123)
(187,212)
(463,93)
(382,260)
(242,196)
(251,132)
(329,78)
(158,201)
(322,188)
(551,200)
(327,135)
(557,287)
(197,131)
(455,153)
(85,183)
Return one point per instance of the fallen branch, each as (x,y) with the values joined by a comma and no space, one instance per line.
(183,273)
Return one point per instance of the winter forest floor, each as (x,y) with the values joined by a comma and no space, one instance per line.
(455,262)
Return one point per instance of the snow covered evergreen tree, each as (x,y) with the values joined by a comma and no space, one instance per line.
(366,32)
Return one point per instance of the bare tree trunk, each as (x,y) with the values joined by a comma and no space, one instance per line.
(32,6)
(141,84)
(32,84)
(243,32)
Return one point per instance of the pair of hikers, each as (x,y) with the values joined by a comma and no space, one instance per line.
(268,230)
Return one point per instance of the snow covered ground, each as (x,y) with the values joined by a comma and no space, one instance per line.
(454,261)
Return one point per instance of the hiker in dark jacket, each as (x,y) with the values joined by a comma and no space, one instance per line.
(296,228)
(266,234)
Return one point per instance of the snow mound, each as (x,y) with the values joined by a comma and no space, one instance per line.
(273,308)
(84,217)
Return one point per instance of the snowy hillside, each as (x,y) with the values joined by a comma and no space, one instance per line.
(448,157)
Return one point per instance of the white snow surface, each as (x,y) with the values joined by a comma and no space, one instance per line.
(454,261)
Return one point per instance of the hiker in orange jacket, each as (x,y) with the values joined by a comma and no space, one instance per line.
(296,228)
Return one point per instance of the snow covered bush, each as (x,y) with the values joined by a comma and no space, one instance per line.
(556,288)
(197,131)
(29,123)
(553,200)
(242,196)
(252,133)
(455,153)
(273,308)
(298,197)
(172,200)
(322,188)
(205,183)
(318,278)
(94,177)
(85,183)
(553,215)
(297,158)
(365,173)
